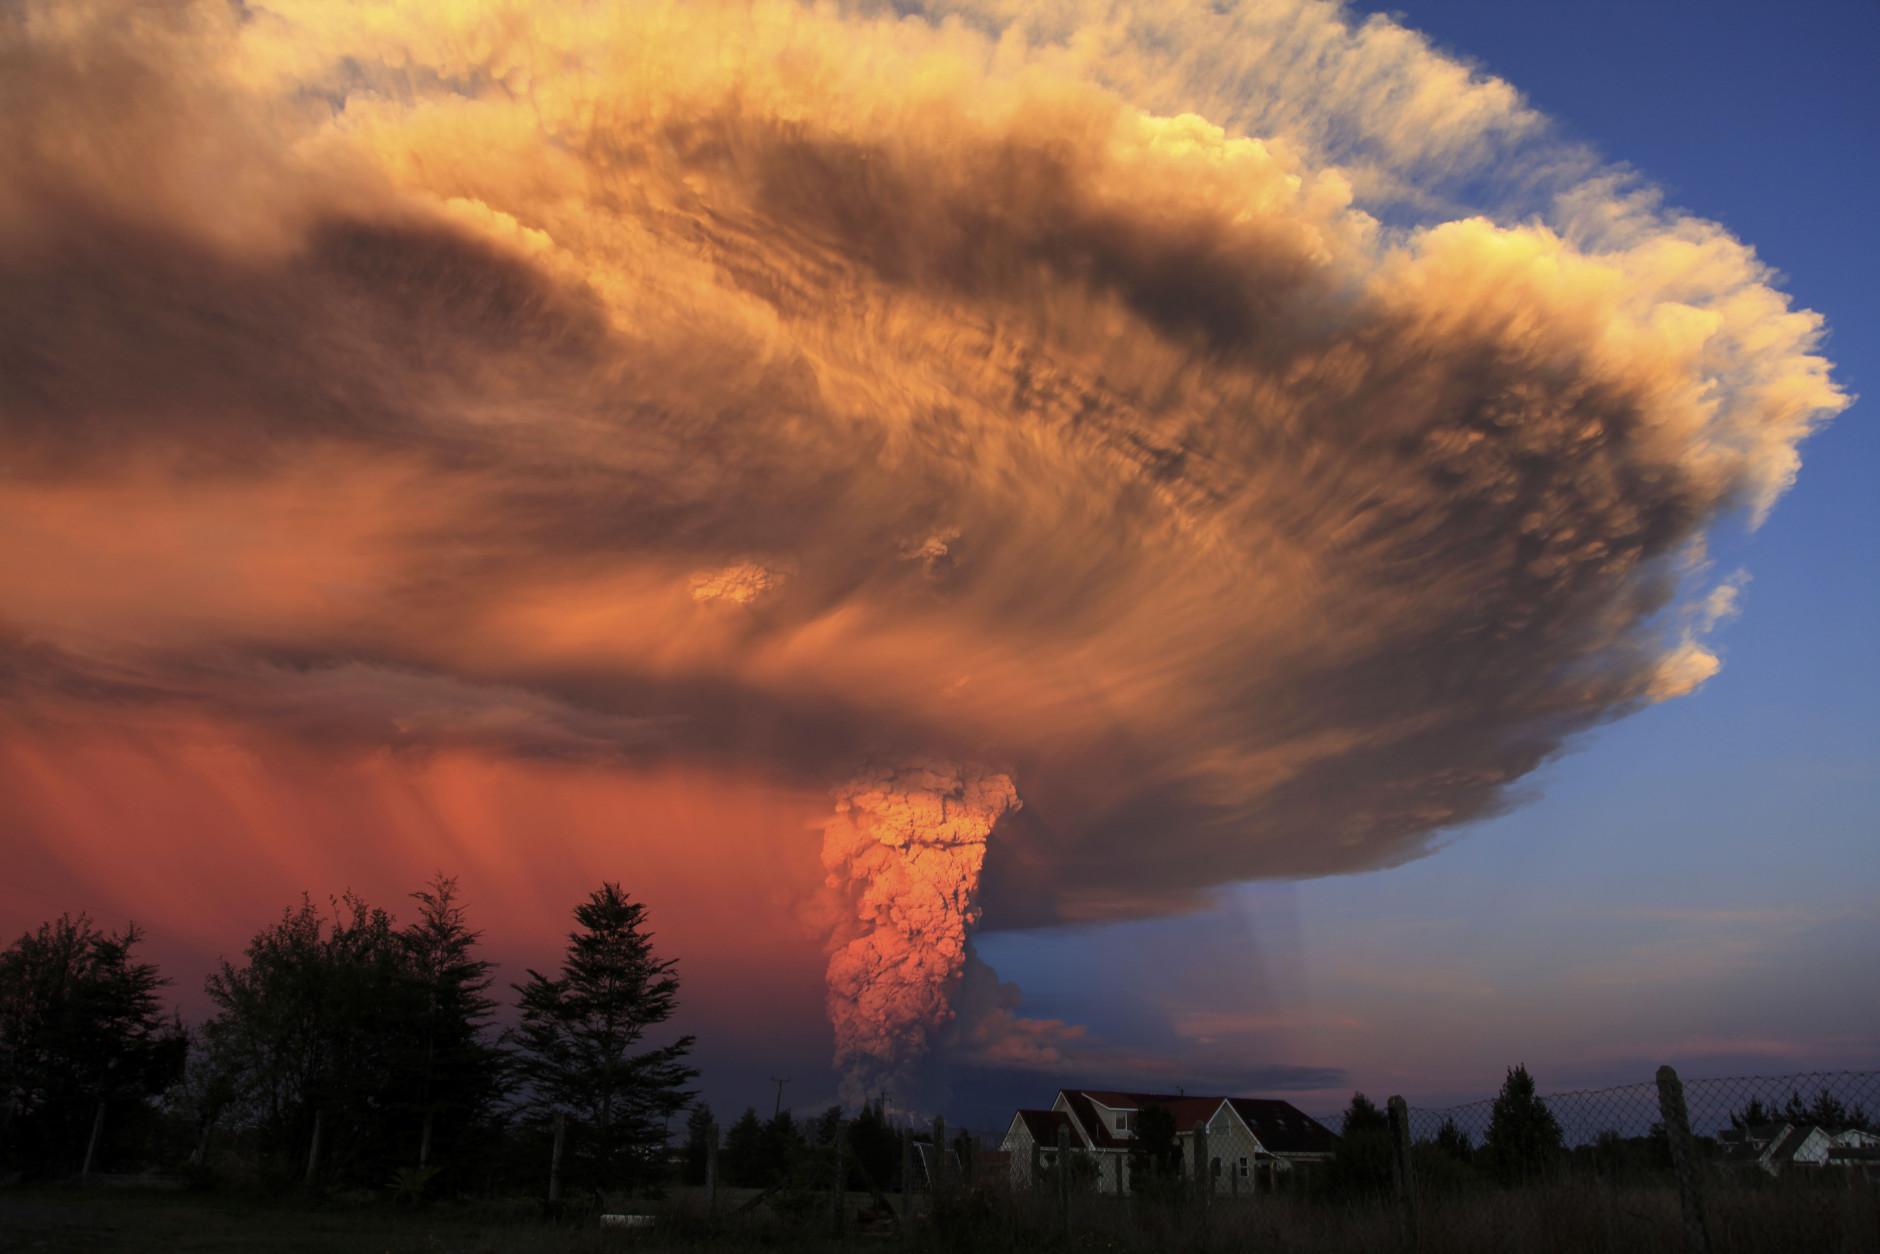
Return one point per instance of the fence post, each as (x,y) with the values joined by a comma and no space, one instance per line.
(711,1170)
(1037,1164)
(554,1160)
(313,1150)
(200,1156)
(1683,1159)
(837,1192)
(907,1175)
(938,1170)
(1064,1180)
(1399,1114)
(1204,1172)
(91,1146)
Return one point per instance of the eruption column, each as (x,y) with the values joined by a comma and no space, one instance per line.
(903,853)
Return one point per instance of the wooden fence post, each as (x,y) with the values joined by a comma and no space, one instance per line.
(907,1175)
(1064,1180)
(1037,1165)
(1402,1180)
(200,1155)
(91,1146)
(937,1170)
(313,1150)
(1204,1168)
(554,1160)
(837,1193)
(1683,1159)
(711,1169)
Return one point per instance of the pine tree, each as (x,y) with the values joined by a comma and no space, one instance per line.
(874,1147)
(1156,1149)
(80,1025)
(455,1074)
(823,1129)
(699,1130)
(783,1144)
(743,1159)
(1524,1139)
(1361,1165)
(579,1043)
(1751,1116)
(1364,1116)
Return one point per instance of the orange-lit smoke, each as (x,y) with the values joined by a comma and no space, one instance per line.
(1110,406)
(904,853)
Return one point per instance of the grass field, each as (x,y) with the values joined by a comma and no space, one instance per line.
(1564,1219)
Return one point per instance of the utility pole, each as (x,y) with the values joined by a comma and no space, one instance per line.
(779,1081)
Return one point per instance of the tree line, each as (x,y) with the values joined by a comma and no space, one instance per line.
(1525,1144)
(347,1050)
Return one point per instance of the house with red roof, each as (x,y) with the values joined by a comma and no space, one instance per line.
(1253,1144)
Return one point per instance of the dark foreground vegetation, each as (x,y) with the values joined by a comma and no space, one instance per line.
(1840,1216)
(351,1094)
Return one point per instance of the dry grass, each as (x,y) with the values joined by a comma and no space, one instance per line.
(1566,1218)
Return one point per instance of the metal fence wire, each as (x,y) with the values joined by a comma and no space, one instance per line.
(1718,1108)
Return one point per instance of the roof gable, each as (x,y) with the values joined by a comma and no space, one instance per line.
(1043,1125)
(1279,1127)
(1282,1128)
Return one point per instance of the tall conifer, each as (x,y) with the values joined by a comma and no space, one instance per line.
(579,1043)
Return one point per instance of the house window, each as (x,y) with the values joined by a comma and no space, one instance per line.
(1122,1122)
(1245,1170)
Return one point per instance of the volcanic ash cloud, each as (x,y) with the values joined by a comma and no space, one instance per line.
(904,853)
(1119,396)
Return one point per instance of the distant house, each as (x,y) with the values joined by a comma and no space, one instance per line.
(1254,1144)
(1775,1146)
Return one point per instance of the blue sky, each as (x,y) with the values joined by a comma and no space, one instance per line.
(1699,884)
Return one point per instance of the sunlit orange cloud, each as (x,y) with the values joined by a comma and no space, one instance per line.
(1087,444)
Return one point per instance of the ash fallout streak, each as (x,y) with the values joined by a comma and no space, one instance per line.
(1097,447)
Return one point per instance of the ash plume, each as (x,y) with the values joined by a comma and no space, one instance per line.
(904,853)
(1129,396)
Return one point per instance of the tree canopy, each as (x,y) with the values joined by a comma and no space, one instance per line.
(579,1043)
(80,1024)
(1524,1139)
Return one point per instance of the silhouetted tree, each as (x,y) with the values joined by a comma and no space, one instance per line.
(744,1160)
(579,1044)
(823,1129)
(1524,1139)
(1360,1166)
(783,1144)
(1753,1115)
(874,1147)
(453,1071)
(1363,1115)
(1453,1141)
(80,1024)
(698,1136)
(315,1026)
(1826,1111)
(1155,1151)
